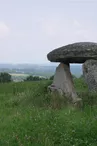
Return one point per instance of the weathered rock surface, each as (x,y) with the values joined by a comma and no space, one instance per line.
(90,74)
(63,82)
(74,53)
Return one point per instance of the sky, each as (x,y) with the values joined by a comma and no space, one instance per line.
(29,29)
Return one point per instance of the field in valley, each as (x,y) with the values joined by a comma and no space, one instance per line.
(19,74)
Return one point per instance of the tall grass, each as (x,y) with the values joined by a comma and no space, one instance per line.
(29,117)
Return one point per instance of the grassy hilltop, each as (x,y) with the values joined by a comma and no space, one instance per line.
(27,116)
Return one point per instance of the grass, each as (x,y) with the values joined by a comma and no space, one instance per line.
(28,119)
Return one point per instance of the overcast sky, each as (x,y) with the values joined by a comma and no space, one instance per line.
(29,29)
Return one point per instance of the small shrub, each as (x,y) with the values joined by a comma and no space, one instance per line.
(5,77)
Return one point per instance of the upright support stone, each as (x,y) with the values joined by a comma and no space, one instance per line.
(90,74)
(63,82)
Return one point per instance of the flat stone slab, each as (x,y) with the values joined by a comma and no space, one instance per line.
(74,53)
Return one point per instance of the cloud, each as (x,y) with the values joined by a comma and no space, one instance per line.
(4,30)
(58,31)
(80,30)
(50,26)
(77,24)
(63,28)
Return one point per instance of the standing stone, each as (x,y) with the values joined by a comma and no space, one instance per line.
(63,82)
(74,53)
(90,74)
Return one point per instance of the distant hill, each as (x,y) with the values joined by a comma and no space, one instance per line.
(36,69)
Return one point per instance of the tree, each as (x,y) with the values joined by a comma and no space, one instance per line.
(73,76)
(34,78)
(5,77)
(52,77)
(81,77)
(29,78)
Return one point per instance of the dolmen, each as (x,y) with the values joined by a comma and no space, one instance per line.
(81,52)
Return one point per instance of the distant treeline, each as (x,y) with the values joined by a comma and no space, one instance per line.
(6,77)
(34,78)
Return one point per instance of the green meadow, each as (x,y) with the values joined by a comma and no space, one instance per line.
(28,116)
